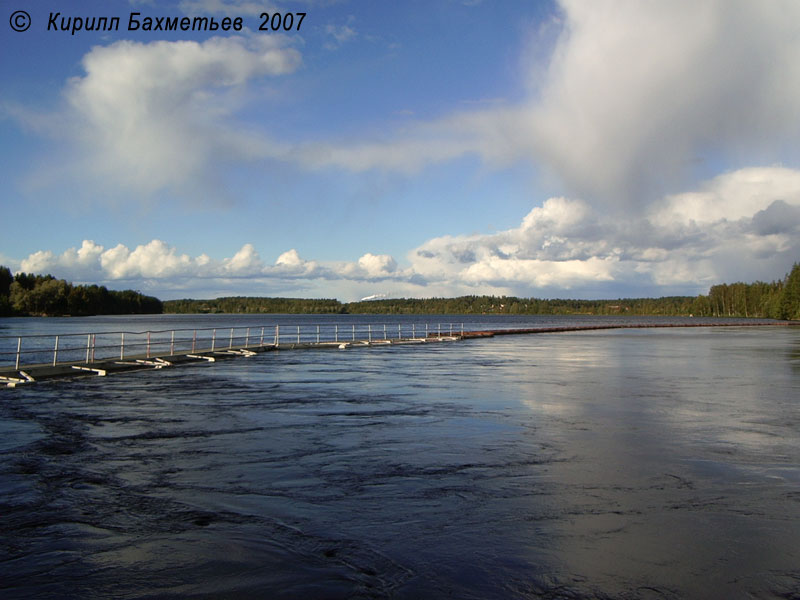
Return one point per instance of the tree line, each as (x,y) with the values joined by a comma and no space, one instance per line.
(255,305)
(26,294)
(777,300)
(512,305)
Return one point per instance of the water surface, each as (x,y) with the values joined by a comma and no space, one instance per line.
(604,464)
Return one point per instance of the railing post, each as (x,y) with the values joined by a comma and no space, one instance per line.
(88,344)
(172,343)
(318,334)
(451,330)
(94,345)
(261,341)
(413,330)
(19,347)
(213,339)
(122,347)
(438,330)
(277,335)
(148,344)
(399,332)
(230,341)
(247,338)
(354,332)
(298,334)
(462,330)
(369,332)
(194,340)
(336,333)
(384,331)
(426,331)
(55,353)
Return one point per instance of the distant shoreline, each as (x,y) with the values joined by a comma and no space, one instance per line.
(37,295)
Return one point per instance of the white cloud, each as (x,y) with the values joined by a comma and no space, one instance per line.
(563,247)
(732,195)
(369,267)
(744,225)
(82,263)
(245,262)
(156,116)
(159,261)
(637,91)
(534,273)
(634,94)
(377,265)
(290,258)
(552,248)
(406,156)
(340,33)
(231,8)
(634,97)
(155,259)
(290,265)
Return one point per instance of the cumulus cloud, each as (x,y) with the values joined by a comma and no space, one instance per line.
(369,267)
(155,259)
(377,265)
(631,99)
(747,224)
(739,225)
(558,245)
(634,97)
(245,262)
(637,90)
(732,195)
(155,115)
(290,259)
(158,261)
(82,263)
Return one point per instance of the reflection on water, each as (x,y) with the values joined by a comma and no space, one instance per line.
(633,464)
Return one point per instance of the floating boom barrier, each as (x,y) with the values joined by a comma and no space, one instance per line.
(65,356)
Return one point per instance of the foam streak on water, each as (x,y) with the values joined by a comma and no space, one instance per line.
(621,464)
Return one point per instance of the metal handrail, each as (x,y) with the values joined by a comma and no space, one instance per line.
(156,342)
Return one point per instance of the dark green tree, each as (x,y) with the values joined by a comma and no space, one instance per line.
(6,279)
(790,296)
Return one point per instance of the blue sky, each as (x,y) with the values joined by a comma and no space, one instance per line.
(438,148)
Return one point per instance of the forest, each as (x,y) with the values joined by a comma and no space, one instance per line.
(777,300)
(27,294)
(255,305)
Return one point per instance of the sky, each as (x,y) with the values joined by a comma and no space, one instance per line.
(437,148)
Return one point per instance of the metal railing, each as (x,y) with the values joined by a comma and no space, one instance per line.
(55,349)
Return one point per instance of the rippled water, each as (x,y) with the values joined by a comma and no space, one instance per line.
(602,464)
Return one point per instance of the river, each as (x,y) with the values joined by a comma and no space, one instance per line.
(634,463)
